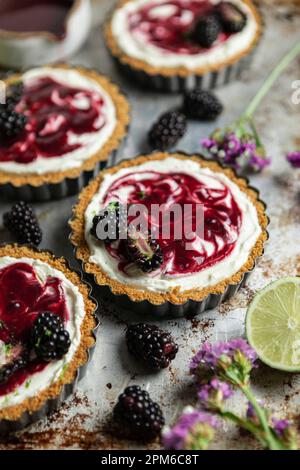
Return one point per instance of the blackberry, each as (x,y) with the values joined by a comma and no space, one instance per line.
(168,130)
(144,251)
(8,370)
(151,344)
(207,30)
(49,339)
(137,413)
(233,20)
(14,94)
(11,122)
(22,222)
(201,104)
(115,215)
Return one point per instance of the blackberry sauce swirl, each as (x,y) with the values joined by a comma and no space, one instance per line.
(222,219)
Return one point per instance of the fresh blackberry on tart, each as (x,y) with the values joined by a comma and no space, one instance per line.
(207,30)
(9,370)
(14,94)
(232,18)
(109,222)
(11,123)
(144,251)
(46,329)
(49,338)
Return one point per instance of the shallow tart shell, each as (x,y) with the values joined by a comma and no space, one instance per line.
(59,184)
(173,302)
(175,79)
(37,407)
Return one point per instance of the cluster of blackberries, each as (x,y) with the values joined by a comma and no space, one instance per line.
(171,126)
(135,411)
(225,18)
(107,224)
(140,248)
(144,251)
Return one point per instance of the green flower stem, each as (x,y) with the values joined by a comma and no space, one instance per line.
(285,61)
(247,425)
(273,443)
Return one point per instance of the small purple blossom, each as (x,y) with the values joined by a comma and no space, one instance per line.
(244,347)
(286,432)
(294,159)
(193,429)
(257,163)
(251,413)
(209,356)
(280,426)
(213,394)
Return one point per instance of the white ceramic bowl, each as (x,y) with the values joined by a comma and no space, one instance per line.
(21,50)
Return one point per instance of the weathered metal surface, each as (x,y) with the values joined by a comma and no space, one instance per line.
(83,422)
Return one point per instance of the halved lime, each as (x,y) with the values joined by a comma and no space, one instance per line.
(273,324)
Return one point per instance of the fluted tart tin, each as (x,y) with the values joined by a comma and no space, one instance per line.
(174,302)
(62,150)
(30,410)
(169,78)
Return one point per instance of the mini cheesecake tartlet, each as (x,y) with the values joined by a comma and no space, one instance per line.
(182,44)
(47,333)
(58,128)
(157,269)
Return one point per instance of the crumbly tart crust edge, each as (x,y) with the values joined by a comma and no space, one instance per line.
(174,296)
(138,64)
(122,123)
(32,404)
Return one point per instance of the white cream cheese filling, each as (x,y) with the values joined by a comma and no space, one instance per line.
(137,46)
(91,143)
(39,381)
(249,232)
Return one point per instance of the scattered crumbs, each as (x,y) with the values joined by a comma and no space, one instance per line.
(240,300)
(288,267)
(203,325)
(173,375)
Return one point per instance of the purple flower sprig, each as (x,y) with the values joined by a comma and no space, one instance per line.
(194,430)
(221,368)
(237,146)
(294,159)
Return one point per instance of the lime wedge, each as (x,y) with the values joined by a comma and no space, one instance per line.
(273,324)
